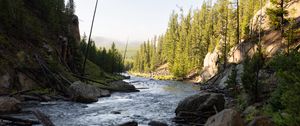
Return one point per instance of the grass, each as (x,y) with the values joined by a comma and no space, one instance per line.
(156,77)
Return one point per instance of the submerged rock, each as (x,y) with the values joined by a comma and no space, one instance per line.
(227,117)
(198,108)
(157,123)
(123,86)
(84,93)
(9,105)
(131,123)
(115,112)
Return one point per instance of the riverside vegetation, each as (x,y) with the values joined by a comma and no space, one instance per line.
(247,50)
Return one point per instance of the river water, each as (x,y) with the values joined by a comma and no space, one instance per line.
(157,102)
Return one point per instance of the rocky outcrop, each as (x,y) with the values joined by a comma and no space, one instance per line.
(219,81)
(9,105)
(227,117)
(262,121)
(198,108)
(81,92)
(210,67)
(122,86)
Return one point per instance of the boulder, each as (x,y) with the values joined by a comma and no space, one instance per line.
(84,93)
(227,117)
(261,121)
(131,123)
(104,93)
(198,108)
(123,86)
(157,123)
(9,105)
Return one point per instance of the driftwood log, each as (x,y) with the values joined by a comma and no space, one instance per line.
(44,119)
(17,121)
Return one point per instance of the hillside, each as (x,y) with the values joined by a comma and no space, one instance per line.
(41,53)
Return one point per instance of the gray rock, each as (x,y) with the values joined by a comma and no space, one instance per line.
(84,93)
(201,105)
(123,86)
(227,117)
(9,105)
(157,123)
(201,102)
(210,66)
(104,93)
(131,123)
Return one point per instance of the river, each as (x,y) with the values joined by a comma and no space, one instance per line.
(157,102)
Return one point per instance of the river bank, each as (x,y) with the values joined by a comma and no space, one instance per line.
(80,92)
(170,77)
(156,101)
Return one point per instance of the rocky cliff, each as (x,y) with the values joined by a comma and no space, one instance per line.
(272,44)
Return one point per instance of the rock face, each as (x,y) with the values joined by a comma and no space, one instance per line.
(198,108)
(261,121)
(123,86)
(210,67)
(9,105)
(227,117)
(81,92)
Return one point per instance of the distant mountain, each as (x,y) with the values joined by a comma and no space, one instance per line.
(107,42)
(133,46)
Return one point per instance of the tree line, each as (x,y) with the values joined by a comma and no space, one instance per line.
(190,37)
(110,60)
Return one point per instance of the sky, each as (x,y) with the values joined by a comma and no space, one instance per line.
(136,20)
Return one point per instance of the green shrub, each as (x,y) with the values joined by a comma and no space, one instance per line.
(251,83)
(285,101)
(232,84)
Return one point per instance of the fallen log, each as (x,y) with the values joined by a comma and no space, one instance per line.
(20,92)
(42,118)
(81,77)
(13,120)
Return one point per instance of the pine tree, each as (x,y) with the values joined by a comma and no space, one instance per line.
(70,7)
